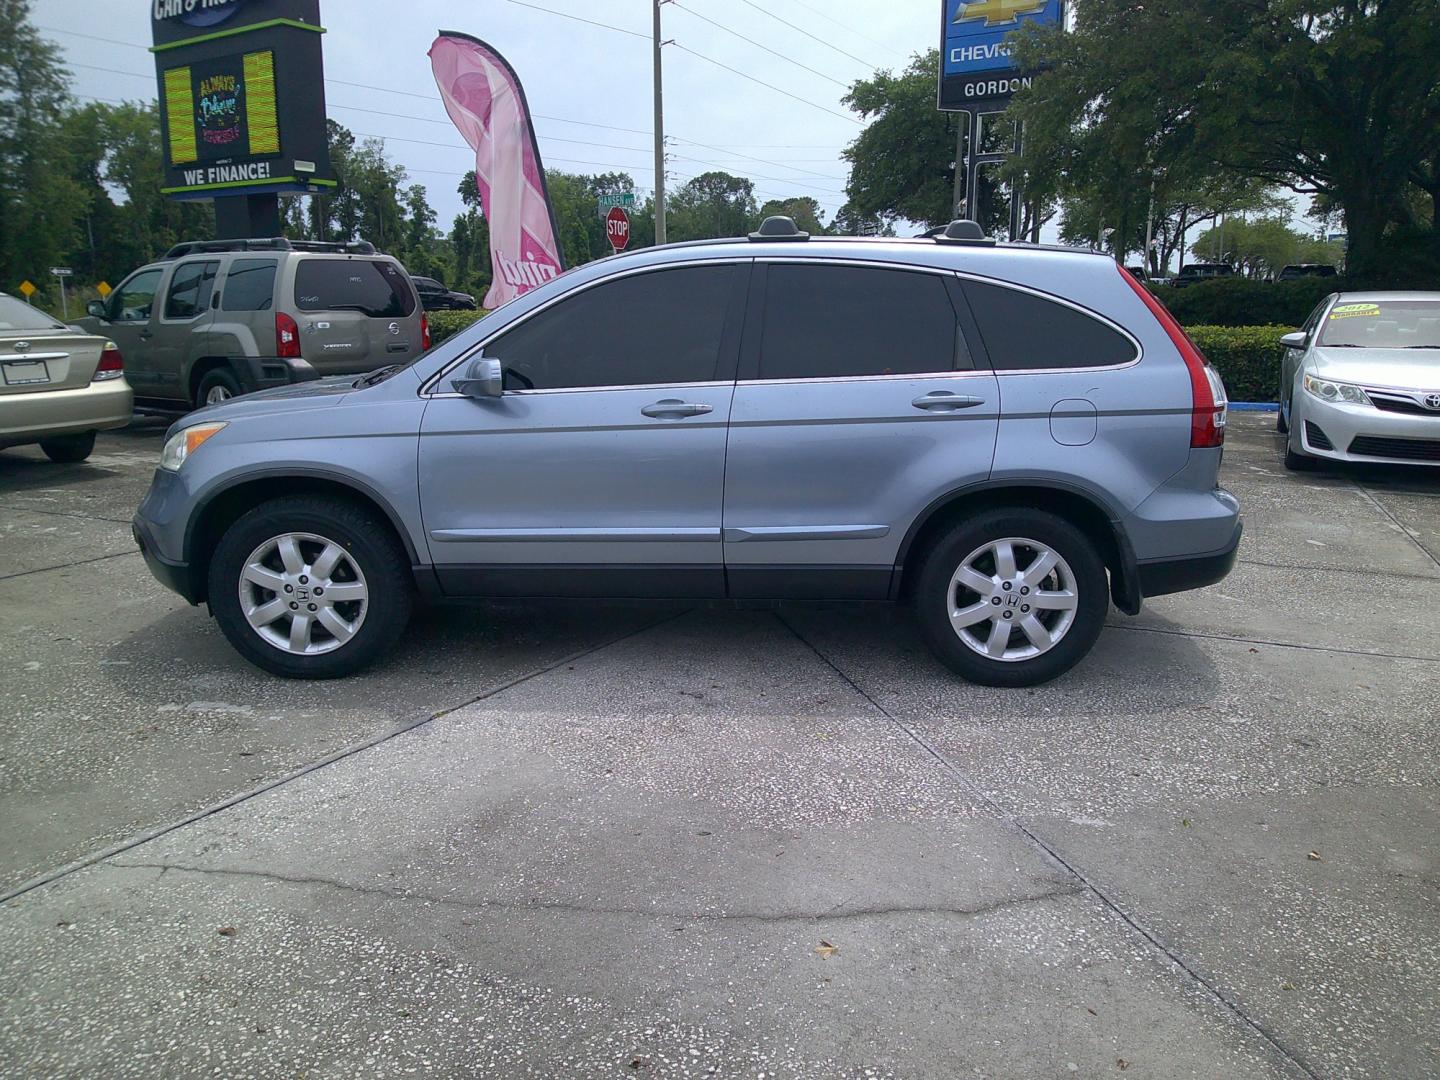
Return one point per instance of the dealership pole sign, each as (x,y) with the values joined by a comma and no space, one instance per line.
(977,71)
(242,97)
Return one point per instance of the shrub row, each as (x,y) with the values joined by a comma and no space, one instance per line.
(1242,302)
(1247,357)
(444,324)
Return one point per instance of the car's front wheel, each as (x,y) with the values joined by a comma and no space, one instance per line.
(1012,597)
(311,588)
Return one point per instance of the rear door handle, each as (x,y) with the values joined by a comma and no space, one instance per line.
(675,409)
(945,401)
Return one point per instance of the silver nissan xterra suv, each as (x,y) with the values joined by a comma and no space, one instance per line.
(1006,437)
(213,319)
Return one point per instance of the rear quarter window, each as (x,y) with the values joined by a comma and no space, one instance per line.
(377,288)
(249,286)
(1026,332)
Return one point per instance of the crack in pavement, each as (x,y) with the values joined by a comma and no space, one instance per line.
(1337,570)
(64,513)
(1397,522)
(329,759)
(537,905)
(66,566)
(1275,644)
(1085,883)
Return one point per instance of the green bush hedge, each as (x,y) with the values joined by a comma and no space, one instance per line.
(1242,302)
(1247,357)
(444,324)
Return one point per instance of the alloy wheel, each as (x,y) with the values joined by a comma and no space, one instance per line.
(303,594)
(1012,599)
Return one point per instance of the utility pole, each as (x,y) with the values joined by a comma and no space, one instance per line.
(957,207)
(659,135)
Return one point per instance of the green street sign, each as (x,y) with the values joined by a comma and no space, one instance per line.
(625,200)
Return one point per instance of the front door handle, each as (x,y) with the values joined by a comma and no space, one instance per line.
(146,335)
(675,409)
(945,401)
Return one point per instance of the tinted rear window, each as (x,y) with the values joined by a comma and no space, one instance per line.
(376,289)
(250,285)
(1023,331)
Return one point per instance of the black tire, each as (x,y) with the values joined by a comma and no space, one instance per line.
(1281,424)
(68,449)
(1298,462)
(218,379)
(932,597)
(368,541)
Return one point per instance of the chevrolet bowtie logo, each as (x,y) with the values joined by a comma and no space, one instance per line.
(995,12)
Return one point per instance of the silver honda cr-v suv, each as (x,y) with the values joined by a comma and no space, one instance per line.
(1006,437)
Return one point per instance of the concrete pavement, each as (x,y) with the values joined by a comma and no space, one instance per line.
(639,843)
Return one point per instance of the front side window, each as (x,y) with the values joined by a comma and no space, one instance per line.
(190,289)
(133,301)
(374,287)
(660,327)
(1382,324)
(828,322)
(1025,332)
(249,286)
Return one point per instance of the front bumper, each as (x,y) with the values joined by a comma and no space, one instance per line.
(1159,577)
(175,576)
(42,414)
(159,528)
(1343,432)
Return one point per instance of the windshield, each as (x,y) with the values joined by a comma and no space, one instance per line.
(16,315)
(1383,324)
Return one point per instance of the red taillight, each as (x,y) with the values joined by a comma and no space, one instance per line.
(112,364)
(1208,402)
(424,332)
(287,336)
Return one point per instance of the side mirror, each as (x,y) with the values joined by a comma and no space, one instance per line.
(96,309)
(1294,341)
(483,378)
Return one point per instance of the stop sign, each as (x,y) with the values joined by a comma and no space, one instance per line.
(617,228)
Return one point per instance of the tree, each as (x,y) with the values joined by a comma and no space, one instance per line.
(712,204)
(1330,97)
(903,164)
(802,209)
(1262,247)
(41,202)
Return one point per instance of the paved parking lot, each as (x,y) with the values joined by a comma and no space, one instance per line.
(592,842)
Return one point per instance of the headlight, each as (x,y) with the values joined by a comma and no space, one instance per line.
(1336,391)
(185,442)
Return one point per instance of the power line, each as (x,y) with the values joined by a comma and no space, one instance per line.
(788,59)
(577,18)
(812,37)
(768,86)
(850,29)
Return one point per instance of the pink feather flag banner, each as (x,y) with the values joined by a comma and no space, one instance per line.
(485,101)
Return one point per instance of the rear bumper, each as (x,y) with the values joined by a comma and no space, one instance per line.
(264,372)
(1159,577)
(40,414)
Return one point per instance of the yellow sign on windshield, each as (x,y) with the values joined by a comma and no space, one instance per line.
(1351,311)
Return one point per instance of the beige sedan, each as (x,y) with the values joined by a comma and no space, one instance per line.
(58,386)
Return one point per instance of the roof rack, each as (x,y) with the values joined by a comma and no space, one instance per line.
(959,231)
(778,228)
(273,243)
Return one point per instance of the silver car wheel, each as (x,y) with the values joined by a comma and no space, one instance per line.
(1013,599)
(217,393)
(303,594)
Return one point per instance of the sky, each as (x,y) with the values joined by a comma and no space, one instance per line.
(584,82)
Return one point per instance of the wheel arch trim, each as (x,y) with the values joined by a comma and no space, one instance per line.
(1125,582)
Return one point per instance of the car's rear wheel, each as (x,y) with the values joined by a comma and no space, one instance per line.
(216,387)
(68,449)
(1012,597)
(311,588)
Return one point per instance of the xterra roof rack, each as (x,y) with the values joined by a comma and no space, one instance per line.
(274,243)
